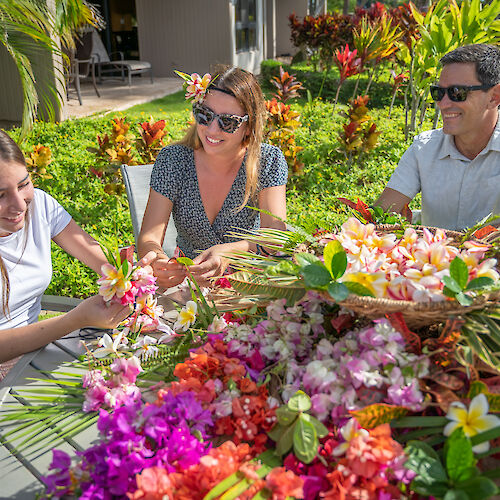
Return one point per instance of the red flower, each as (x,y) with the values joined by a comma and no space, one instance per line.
(284,483)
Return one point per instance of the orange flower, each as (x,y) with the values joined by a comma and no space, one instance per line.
(152,484)
(284,483)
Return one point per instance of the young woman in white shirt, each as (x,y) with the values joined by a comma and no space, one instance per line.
(29,220)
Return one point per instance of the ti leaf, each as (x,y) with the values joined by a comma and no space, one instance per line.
(185,261)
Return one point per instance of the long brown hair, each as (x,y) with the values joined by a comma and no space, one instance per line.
(244,87)
(9,152)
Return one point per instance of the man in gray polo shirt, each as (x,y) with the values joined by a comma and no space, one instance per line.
(457,168)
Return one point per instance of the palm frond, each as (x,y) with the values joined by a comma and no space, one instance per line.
(481,333)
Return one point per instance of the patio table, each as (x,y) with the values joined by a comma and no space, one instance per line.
(20,473)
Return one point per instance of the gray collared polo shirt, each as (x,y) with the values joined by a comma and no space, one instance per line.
(456,192)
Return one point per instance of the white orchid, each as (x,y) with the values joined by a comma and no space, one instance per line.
(349,431)
(145,347)
(473,420)
(110,344)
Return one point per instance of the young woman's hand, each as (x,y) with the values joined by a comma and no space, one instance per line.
(95,312)
(212,262)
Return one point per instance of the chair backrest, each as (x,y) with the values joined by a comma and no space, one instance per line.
(98,48)
(136,179)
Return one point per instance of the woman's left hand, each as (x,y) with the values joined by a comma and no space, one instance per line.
(209,263)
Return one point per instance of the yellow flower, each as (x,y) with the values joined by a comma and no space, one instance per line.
(473,421)
(375,282)
(186,316)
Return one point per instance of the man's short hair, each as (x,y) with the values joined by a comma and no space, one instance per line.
(485,57)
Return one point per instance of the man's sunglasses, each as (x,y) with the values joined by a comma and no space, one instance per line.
(456,93)
(227,123)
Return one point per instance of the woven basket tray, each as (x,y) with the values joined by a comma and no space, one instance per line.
(417,314)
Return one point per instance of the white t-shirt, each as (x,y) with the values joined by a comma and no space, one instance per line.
(456,192)
(26,256)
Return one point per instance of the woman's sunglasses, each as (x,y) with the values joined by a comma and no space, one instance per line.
(456,93)
(227,123)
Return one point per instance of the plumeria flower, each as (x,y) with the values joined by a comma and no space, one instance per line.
(145,347)
(349,431)
(473,420)
(113,282)
(110,345)
(186,316)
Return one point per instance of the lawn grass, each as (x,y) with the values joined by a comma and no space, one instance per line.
(311,197)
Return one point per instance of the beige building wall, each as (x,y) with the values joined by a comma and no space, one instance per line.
(283,9)
(187,35)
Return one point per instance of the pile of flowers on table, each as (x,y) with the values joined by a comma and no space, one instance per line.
(301,400)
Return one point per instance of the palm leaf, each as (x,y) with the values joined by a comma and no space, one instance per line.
(25,32)
(277,287)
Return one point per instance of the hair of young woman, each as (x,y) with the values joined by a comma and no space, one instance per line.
(245,88)
(9,152)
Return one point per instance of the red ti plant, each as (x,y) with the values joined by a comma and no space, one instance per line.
(151,139)
(287,86)
(397,81)
(348,65)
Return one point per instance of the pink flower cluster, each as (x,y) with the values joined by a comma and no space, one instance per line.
(409,268)
(362,368)
(116,389)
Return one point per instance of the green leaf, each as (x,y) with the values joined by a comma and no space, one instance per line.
(316,275)
(358,289)
(459,455)
(481,282)
(276,432)
(285,415)
(305,441)
(338,291)
(185,261)
(478,488)
(303,259)
(463,299)
(423,460)
(285,442)
(459,272)
(456,495)
(335,259)
(448,292)
(321,430)
(299,402)
(451,284)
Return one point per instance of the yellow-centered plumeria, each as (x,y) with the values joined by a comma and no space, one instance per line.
(349,431)
(473,420)
(186,316)
(410,268)
(114,282)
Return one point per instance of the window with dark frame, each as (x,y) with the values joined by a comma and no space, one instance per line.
(246,25)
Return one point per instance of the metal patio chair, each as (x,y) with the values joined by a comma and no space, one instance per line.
(136,179)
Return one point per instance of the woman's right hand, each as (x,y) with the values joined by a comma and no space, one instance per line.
(168,272)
